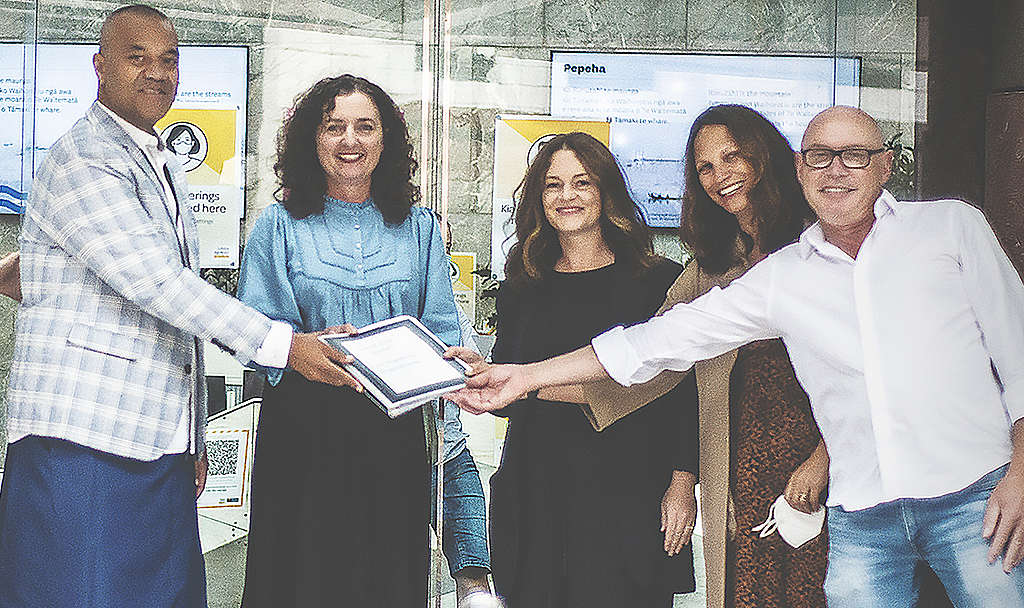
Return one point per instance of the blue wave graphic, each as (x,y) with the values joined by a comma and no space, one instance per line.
(5,189)
(12,205)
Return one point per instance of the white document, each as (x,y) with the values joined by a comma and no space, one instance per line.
(399,362)
(401,359)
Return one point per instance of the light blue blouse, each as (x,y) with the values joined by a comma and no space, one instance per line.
(347,265)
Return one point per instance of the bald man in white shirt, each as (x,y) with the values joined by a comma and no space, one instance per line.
(905,325)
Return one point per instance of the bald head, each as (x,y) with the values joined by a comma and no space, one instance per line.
(855,120)
(118,17)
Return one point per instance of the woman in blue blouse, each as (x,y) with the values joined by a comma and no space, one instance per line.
(340,499)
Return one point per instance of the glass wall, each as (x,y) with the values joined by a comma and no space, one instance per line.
(462,71)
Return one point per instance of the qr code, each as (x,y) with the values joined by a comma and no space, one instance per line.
(223,455)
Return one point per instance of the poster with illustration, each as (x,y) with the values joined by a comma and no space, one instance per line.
(45,88)
(203,142)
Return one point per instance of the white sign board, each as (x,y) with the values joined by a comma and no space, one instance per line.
(210,141)
(652,99)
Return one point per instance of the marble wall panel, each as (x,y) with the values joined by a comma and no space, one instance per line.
(230,21)
(16,19)
(195,21)
(615,24)
(867,26)
(373,17)
(498,22)
(792,26)
(472,160)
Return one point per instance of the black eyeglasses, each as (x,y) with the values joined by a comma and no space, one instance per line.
(852,158)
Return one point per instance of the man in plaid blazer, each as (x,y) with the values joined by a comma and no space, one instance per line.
(107,403)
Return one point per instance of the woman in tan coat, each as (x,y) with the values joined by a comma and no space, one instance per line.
(757,436)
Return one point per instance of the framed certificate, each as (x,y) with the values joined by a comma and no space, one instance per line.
(399,362)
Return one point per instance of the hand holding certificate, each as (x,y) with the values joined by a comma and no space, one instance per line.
(399,362)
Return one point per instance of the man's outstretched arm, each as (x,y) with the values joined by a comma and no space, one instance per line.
(500,385)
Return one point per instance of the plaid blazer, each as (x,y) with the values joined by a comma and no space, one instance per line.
(104,339)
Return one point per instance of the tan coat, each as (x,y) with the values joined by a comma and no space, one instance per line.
(608,401)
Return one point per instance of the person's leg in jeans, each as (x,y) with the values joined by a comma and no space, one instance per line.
(951,542)
(464,536)
(871,560)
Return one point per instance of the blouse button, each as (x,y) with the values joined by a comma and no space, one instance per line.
(359,245)
(357,226)
(359,266)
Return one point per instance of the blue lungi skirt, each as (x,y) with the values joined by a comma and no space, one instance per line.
(86,529)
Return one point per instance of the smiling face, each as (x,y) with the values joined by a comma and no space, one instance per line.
(349,142)
(137,68)
(572,199)
(843,197)
(724,172)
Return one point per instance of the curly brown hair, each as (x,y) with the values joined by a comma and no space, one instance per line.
(780,209)
(622,226)
(301,179)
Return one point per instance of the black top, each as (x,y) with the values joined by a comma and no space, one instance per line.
(576,513)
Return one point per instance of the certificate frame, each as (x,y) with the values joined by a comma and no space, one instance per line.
(392,402)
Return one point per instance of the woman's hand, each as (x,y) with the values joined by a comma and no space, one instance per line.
(468,356)
(808,482)
(678,511)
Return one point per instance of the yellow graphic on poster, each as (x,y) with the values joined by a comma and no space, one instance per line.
(202,140)
(464,281)
(516,141)
(205,144)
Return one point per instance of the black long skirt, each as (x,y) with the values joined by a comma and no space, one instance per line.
(340,502)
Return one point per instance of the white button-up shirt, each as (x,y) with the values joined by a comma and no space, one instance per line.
(912,353)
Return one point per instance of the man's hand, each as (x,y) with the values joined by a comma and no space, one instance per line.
(319,362)
(678,511)
(202,466)
(10,276)
(1003,525)
(1004,521)
(808,482)
(468,356)
(492,389)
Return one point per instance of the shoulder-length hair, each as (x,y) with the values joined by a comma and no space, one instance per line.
(301,180)
(622,226)
(780,210)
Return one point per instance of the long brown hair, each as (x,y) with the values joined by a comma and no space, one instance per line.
(538,249)
(780,209)
(301,180)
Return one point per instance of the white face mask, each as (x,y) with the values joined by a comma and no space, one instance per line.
(795,527)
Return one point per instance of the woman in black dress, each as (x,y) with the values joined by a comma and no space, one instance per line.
(581,518)
(340,491)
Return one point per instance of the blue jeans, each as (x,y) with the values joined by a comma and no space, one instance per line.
(873,552)
(464,537)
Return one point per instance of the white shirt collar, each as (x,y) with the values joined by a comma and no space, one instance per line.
(813,238)
(141,138)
